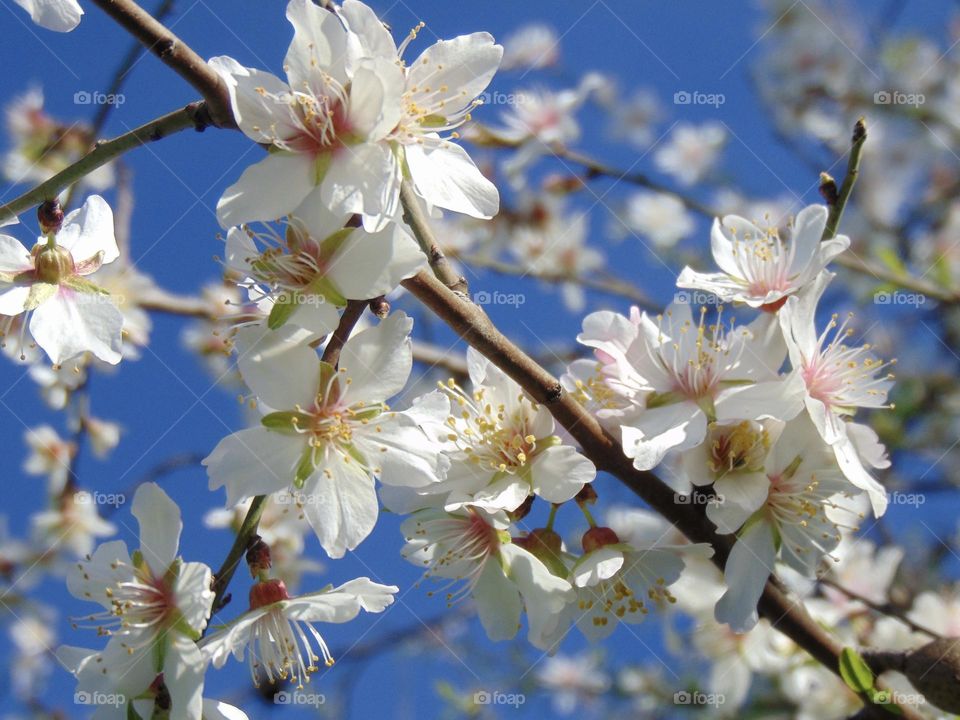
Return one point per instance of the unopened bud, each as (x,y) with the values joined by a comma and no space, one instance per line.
(52,264)
(547,546)
(267,592)
(50,216)
(828,189)
(258,556)
(523,510)
(380,307)
(597,537)
(586,496)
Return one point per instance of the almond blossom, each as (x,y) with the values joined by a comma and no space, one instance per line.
(502,447)
(69,314)
(473,547)
(439,91)
(676,375)
(278,635)
(327,433)
(317,264)
(155,607)
(326,126)
(780,513)
(758,267)
(838,379)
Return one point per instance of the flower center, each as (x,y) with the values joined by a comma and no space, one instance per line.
(52,263)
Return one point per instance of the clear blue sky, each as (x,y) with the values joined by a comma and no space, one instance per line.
(165,401)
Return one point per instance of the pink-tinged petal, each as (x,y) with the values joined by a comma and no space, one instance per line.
(748,567)
(268,190)
(341,505)
(456,71)
(260,101)
(805,237)
(88,231)
(255,461)
(368,265)
(319,46)
(378,360)
(56,15)
(70,323)
(447,177)
(160,526)
(677,426)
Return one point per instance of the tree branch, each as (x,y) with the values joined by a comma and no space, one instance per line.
(176,54)
(413,216)
(193,115)
(225,574)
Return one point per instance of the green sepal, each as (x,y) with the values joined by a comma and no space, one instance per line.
(855,671)
(281,311)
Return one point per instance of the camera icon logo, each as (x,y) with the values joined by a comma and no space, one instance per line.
(481,697)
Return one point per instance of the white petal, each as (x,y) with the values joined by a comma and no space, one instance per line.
(498,602)
(183,671)
(402,452)
(780,399)
(738,496)
(748,567)
(267,190)
(341,507)
(807,230)
(89,230)
(260,101)
(601,564)
(217,710)
(280,369)
(319,45)
(364,179)
(852,467)
(375,98)
(160,526)
(378,360)
(374,37)
(560,472)
(544,595)
(252,462)
(447,177)
(368,265)
(194,597)
(14,257)
(70,323)
(456,70)
(657,431)
(56,15)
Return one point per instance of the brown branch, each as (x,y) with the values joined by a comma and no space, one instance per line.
(883,609)
(785,613)
(176,54)
(413,216)
(351,316)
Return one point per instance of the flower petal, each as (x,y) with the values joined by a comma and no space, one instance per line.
(447,177)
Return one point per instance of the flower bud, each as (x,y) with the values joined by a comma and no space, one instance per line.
(586,496)
(50,217)
(380,307)
(52,263)
(258,557)
(547,546)
(267,593)
(596,537)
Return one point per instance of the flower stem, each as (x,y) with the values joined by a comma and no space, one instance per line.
(553,515)
(247,530)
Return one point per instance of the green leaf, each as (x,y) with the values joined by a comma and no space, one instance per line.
(855,672)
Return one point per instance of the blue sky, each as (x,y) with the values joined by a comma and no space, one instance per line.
(165,401)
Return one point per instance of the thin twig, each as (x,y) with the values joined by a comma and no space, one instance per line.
(240,543)
(413,216)
(176,54)
(853,170)
(193,115)
(883,609)
(348,320)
